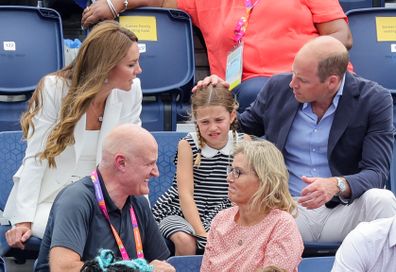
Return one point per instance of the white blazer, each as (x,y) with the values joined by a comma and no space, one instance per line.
(30,190)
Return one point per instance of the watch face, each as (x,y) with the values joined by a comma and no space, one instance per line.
(341,184)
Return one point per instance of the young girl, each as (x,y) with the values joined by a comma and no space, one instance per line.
(199,188)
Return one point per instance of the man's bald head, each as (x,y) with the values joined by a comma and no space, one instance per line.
(329,53)
(127,139)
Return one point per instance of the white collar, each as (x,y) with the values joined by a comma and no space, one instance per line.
(210,152)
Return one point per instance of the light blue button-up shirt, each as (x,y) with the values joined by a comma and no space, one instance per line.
(306,145)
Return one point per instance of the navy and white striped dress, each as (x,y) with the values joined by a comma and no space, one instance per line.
(210,190)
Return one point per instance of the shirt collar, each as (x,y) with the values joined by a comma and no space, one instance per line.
(210,152)
(336,97)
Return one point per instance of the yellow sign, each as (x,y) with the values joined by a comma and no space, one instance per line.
(145,27)
(386,29)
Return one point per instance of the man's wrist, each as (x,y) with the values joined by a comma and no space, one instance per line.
(343,188)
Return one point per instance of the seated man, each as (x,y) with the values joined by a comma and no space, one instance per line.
(335,131)
(108,210)
(369,247)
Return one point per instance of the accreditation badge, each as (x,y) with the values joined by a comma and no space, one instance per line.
(234,66)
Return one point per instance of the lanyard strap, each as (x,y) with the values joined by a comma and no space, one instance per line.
(103,208)
(241,26)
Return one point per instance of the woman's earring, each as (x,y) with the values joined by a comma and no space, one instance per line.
(106,81)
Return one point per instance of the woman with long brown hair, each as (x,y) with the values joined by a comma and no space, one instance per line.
(68,116)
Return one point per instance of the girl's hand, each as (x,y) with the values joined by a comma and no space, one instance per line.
(212,79)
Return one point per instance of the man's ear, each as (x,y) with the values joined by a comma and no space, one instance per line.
(120,162)
(333,82)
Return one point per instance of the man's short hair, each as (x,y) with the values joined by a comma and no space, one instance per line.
(335,64)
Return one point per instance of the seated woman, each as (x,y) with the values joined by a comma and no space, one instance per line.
(106,261)
(259,230)
(69,114)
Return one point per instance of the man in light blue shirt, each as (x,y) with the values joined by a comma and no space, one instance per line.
(335,131)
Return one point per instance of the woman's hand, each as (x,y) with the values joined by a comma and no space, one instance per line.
(212,79)
(18,235)
(96,12)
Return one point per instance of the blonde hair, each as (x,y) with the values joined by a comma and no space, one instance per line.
(212,96)
(106,45)
(268,163)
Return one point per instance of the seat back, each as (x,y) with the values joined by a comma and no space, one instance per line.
(316,249)
(373,54)
(314,264)
(167,147)
(31,46)
(186,263)
(357,4)
(391,185)
(12,151)
(167,60)
(2,265)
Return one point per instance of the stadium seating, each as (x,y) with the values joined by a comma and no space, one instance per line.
(2,265)
(167,59)
(373,54)
(31,46)
(356,4)
(12,150)
(315,264)
(186,263)
(167,146)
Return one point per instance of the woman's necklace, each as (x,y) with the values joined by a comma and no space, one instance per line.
(99,116)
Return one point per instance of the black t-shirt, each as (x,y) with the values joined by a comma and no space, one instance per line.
(77,223)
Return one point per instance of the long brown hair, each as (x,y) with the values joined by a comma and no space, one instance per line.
(106,45)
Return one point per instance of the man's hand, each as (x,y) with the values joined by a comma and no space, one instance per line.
(96,12)
(318,192)
(162,266)
(212,79)
(18,235)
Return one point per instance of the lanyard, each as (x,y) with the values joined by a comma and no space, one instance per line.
(102,206)
(241,26)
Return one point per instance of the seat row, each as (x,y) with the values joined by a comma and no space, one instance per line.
(168,66)
(193,263)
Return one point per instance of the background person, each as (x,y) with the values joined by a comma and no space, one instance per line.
(259,230)
(112,211)
(371,246)
(271,32)
(199,188)
(68,117)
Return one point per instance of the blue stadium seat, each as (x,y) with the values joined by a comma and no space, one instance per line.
(12,151)
(167,147)
(317,249)
(31,46)
(391,185)
(357,4)
(371,58)
(186,263)
(167,59)
(314,264)
(3,267)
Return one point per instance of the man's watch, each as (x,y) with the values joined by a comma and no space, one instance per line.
(341,184)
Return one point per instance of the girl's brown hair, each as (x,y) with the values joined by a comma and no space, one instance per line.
(212,96)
